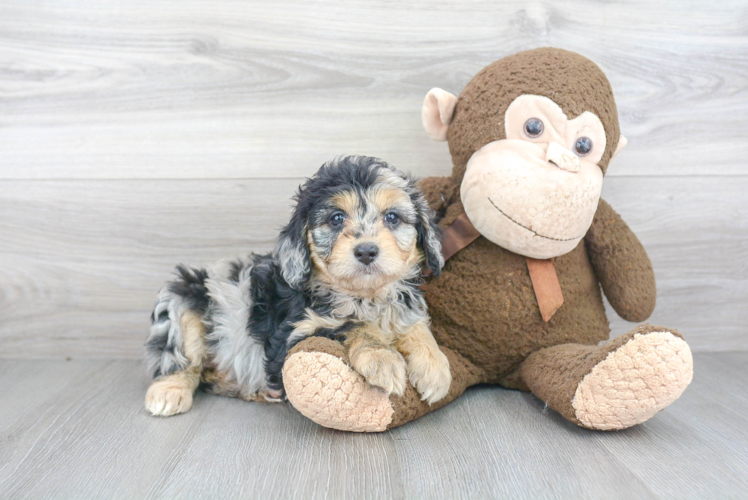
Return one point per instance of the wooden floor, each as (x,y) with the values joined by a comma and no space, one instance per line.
(77,429)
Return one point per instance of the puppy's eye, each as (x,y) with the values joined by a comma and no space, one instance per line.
(391,218)
(534,127)
(336,219)
(583,146)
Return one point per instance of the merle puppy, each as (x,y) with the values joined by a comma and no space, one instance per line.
(347,266)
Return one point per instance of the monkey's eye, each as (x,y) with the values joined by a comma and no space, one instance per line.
(534,127)
(336,219)
(391,218)
(583,146)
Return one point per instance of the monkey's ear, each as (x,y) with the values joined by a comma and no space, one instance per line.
(292,253)
(622,141)
(437,111)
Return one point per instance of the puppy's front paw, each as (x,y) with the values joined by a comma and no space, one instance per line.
(384,368)
(166,398)
(429,373)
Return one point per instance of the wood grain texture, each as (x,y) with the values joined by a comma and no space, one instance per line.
(187,89)
(136,135)
(698,243)
(82,260)
(78,430)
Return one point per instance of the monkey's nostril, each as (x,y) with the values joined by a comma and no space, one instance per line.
(366,252)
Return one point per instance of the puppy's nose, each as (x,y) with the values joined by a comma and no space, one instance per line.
(366,252)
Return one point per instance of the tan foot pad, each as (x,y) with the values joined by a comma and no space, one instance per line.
(634,382)
(326,390)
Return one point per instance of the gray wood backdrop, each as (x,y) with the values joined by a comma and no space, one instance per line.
(136,134)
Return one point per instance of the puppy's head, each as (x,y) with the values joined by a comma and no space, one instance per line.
(359,224)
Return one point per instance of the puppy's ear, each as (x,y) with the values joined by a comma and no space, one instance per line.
(429,237)
(292,252)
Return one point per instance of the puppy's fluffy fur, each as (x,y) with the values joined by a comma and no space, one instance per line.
(347,266)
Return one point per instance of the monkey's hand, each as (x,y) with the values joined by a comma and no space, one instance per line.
(621,264)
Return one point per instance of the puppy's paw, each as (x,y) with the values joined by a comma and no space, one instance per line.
(429,373)
(384,368)
(168,397)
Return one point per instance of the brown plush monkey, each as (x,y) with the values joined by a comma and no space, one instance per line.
(530,244)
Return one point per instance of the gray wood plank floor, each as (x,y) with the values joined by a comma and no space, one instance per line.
(77,429)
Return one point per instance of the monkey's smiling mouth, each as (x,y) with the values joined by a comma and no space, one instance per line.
(527,228)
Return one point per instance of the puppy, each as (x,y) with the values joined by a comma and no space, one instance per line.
(347,266)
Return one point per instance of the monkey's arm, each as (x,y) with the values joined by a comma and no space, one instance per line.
(621,265)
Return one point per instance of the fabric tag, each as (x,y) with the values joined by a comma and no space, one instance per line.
(546,286)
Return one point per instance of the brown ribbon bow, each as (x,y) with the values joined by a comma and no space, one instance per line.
(542,271)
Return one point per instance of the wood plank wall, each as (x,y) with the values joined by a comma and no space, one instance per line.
(138,134)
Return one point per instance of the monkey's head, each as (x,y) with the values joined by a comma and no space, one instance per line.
(531,137)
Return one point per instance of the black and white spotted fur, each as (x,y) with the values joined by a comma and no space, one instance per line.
(251,306)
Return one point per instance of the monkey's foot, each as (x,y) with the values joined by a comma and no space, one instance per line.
(634,382)
(322,386)
(616,385)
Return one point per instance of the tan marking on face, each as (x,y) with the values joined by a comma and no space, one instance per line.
(399,260)
(342,261)
(347,201)
(385,198)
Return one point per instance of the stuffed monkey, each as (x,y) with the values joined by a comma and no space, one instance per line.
(529,246)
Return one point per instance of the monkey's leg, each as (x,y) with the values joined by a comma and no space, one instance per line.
(613,386)
(172,394)
(321,384)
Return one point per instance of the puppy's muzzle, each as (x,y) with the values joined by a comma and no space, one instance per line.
(366,253)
